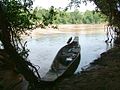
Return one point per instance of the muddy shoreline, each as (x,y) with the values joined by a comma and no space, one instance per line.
(103,74)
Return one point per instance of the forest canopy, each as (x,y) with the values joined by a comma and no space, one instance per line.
(65,17)
(111,9)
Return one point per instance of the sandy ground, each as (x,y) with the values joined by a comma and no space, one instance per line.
(68,28)
(39,31)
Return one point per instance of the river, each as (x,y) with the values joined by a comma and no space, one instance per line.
(44,47)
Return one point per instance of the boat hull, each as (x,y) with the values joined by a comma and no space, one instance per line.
(66,70)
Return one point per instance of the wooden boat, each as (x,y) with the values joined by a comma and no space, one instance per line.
(65,62)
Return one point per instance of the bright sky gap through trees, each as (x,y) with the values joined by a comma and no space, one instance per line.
(61,3)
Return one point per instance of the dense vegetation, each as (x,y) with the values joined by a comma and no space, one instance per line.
(111,9)
(64,17)
(16,18)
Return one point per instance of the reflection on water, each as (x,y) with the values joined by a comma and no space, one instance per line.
(44,48)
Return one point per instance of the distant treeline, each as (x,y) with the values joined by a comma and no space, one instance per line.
(58,16)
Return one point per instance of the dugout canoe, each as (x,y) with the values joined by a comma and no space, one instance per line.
(65,62)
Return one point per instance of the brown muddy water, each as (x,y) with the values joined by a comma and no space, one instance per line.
(44,47)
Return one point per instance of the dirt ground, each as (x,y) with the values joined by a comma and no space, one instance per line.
(103,74)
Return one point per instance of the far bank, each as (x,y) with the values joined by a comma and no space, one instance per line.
(69,28)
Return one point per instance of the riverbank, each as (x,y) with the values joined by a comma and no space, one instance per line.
(69,28)
(103,74)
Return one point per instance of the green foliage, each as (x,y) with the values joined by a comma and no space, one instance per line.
(111,8)
(57,16)
(49,16)
(18,18)
(15,19)
(18,13)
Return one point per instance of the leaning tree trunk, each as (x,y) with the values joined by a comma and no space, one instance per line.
(21,64)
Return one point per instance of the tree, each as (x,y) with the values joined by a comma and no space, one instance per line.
(15,19)
(110,8)
(49,17)
(76,17)
(88,17)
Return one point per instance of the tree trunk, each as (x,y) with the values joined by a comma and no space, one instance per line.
(21,64)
